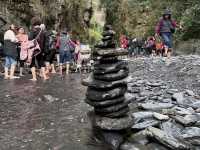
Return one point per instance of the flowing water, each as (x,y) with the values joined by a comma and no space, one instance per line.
(48,115)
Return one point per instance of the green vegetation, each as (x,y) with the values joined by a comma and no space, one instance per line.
(135,18)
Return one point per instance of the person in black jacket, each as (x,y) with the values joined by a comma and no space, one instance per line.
(10,52)
(38,61)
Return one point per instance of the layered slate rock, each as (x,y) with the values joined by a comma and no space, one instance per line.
(107,86)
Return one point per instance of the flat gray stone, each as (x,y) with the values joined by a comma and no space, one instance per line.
(105,103)
(95,95)
(110,67)
(113,76)
(113,124)
(113,108)
(97,84)
(121,113)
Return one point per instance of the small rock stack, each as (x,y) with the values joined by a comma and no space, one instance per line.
(107,86)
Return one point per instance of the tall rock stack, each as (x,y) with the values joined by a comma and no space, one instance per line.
(107,87)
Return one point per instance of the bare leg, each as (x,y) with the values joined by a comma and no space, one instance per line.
(21,72)
(48,67)
(6,75)
(34,75)
(44,75)
(67,68)
(53,70)
(12,72)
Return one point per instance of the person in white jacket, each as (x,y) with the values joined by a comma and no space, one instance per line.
(10,52)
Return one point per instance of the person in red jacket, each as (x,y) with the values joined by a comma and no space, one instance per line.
(123,42)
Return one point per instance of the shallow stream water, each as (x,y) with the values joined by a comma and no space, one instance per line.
(48,115)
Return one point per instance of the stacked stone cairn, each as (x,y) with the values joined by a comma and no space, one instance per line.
(106,90)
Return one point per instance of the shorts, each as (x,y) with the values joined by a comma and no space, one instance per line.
(38,61)
(65,57)
(9,61)
(167,39)
(50,57)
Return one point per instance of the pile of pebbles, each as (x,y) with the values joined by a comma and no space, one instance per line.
(164,118)
(106,91)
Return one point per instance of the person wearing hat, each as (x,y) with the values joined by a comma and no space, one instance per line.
(166,28)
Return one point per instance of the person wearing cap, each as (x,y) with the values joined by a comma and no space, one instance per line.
(166,28)
(10,52)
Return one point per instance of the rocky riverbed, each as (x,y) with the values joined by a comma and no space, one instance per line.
(165,103)
(52,115)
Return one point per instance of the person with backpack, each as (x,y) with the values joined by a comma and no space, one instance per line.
(38,36)
(51,52)
(165,28)
(10,53)
(66,48)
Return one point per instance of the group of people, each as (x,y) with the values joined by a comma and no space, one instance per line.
(161,44)
(38,49)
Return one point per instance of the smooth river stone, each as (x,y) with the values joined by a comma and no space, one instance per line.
(113,76)
(103,85)
(105,103)
(95,95)
(121,113)
(110,52)
(112,124)
(114,108)
(110,68)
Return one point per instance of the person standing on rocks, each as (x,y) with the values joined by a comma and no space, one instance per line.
(10,52)
(165,28)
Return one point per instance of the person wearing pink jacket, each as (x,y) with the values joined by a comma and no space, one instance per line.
(23,41)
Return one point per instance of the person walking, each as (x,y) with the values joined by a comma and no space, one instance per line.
(165,28)
(38,35)
(65,45)
(51,52)
(10,52)
(22,39)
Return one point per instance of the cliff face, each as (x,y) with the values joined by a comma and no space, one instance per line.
(54,13)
